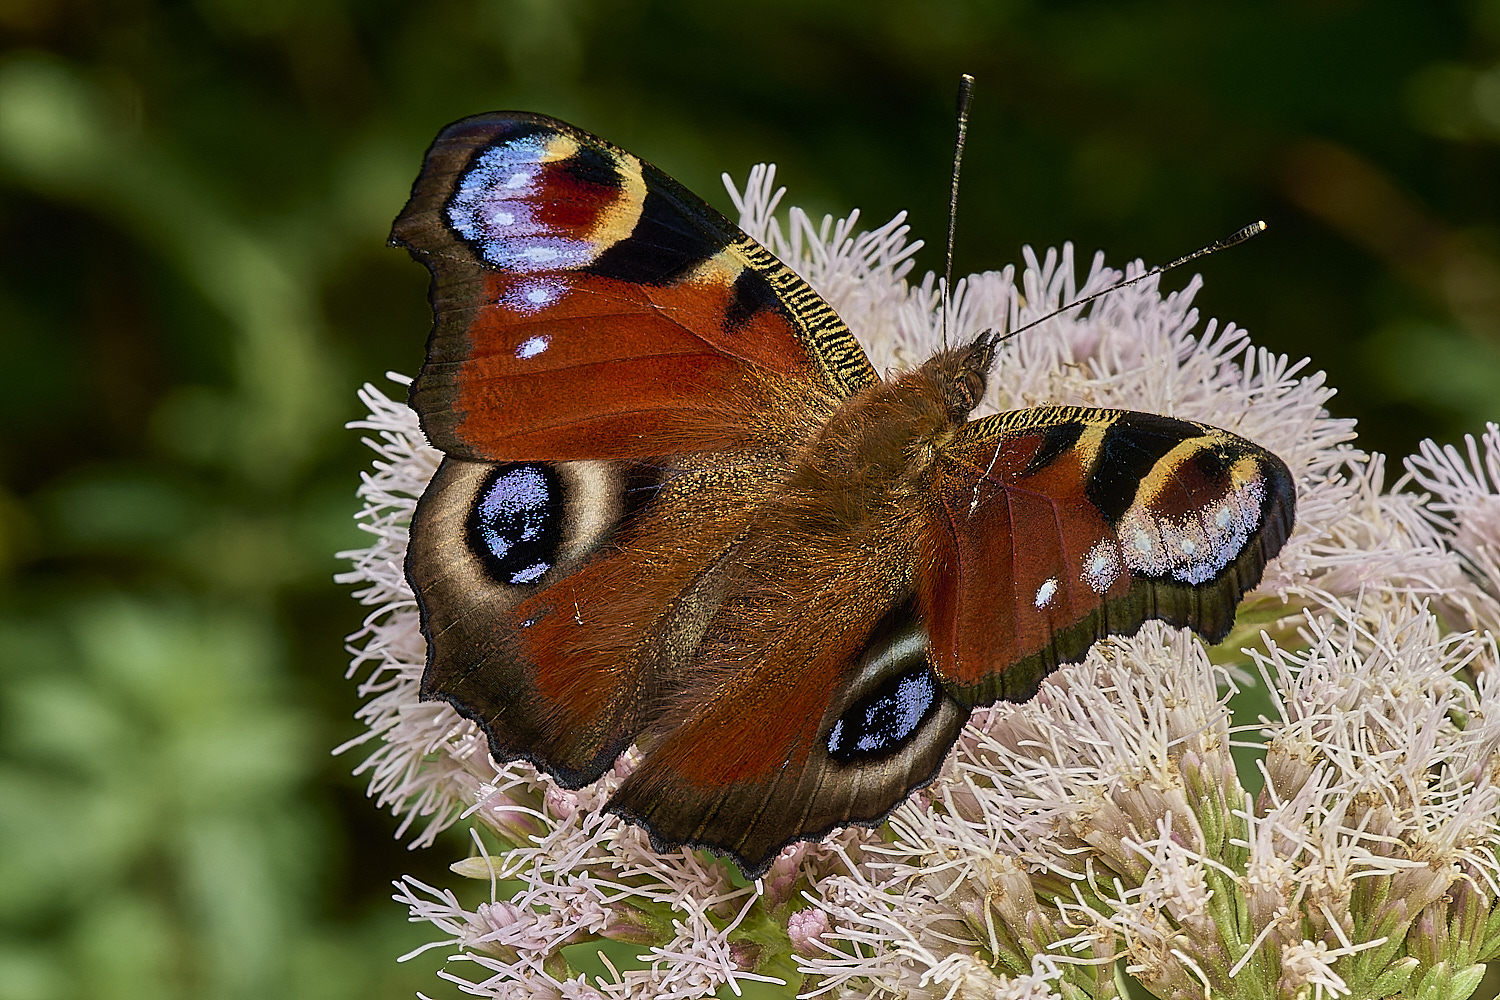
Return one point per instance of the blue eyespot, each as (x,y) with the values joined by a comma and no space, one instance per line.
(882,721)
(515,527)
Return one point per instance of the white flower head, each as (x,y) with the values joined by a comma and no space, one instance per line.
(1102,825)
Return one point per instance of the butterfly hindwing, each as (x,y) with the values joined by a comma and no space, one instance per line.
(832,718)
(1061,525)
(563,601)
(589,307)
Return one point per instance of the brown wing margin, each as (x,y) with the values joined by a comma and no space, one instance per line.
(1060,526)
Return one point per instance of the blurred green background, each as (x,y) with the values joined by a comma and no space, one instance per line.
(194,199)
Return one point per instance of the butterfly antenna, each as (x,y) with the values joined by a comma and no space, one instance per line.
(1237,237)
(965,95)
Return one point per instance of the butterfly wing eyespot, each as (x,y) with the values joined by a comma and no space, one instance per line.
(1060,526)
(487,541)
(679,510)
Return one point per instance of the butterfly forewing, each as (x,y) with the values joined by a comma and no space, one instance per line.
(1061,525)
(588,306)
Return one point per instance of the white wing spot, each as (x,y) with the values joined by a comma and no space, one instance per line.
(1046,592)
(1101,566)
(518,179)
(530,296)
(532,347)
(1141,539)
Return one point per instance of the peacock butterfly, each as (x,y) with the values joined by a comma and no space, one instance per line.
(680,509)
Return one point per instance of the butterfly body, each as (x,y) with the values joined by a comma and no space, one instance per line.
(680,510)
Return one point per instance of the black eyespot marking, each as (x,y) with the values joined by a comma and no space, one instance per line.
(881,722)
(1131,448)
(592,166)
(515,527)
(751,294)
(663,246)
(893,692)
(1055,441)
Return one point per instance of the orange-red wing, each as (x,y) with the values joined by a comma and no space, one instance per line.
(588,306)
(1056,527)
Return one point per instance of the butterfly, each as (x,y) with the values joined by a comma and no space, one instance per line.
(679,509)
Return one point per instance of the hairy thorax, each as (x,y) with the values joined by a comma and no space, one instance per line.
(878,450)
